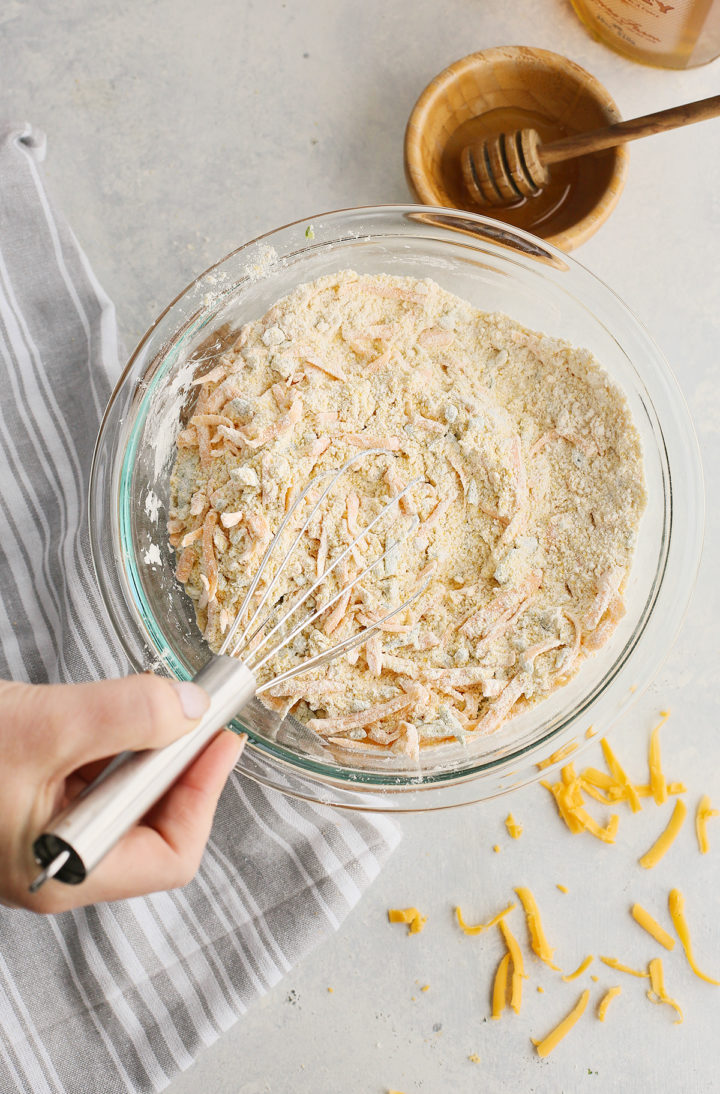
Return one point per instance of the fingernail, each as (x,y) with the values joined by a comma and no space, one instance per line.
(193,700)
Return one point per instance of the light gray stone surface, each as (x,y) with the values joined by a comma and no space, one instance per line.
(176,131)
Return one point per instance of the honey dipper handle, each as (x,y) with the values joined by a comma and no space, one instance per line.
(621,132)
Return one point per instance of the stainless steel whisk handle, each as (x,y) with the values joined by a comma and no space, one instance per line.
(82,834)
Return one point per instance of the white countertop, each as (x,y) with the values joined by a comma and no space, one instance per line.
(177,131)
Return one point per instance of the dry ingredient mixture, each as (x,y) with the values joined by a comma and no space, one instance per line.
(524,519)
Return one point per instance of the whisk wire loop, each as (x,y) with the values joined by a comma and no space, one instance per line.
(334,476)
(412,525)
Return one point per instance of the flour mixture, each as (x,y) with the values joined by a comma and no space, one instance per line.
(524,520)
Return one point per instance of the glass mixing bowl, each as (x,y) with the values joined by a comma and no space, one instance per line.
(497,269)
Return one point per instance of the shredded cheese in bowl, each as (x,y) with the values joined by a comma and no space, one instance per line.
(525,498)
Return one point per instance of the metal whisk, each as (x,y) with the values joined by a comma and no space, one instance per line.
(80,836)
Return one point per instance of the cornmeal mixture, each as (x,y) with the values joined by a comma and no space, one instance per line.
(521,525)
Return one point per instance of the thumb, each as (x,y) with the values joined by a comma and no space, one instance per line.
(93,721)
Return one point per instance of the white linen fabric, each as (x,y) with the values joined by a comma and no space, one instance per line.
(120,997)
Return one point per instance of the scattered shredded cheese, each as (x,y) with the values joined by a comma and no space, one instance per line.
(562,888)
(590,733)
(656,993)
(704,812)
(538,941)
(665,840)
(606,1000)
(658,784)
(411,916)
(496,848)
(612,963)
(580,969)
(676,904)
(620,777)
(569,801)
(499,992)
(515,830)
(545,1047)
(518,967)
(556,757)
(478,928)
(646,921)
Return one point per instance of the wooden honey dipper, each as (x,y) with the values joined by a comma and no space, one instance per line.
(506,167)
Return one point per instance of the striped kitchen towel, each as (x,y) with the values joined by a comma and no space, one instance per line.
(128,991)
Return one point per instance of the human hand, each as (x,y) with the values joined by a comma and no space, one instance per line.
(54,739)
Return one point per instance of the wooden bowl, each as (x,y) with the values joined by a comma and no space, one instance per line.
(512,87)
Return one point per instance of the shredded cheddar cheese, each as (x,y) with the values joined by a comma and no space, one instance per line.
(645,790)
(518,967)
(613,963)
(411,916)
(646,921)
(607,834)
(606,1000)
(562,888)
(658,785)
(580,969)
(676,904)
(556,757)
(620,777)
(590,733)
(656,993)
(569,800)
(666,839)
(538,941)
(499,993)
(515,830)
(703,814)
(545,1047)
(496,848)
(478,928)
(558,791)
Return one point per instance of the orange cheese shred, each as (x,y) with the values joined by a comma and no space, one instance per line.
(411,916)
(580,969)
(676,904)
(613,963)
(606,1000)
(478,928)
(499,992)
(703,814)
(645,790)
(518,967)
(545,1047)
(666,839)
(658,784)
(607,834)
(646,921)
(620,777)
(556,757)
(538,941)
(557,791)
(656,993)
(569,802)
(515,830)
